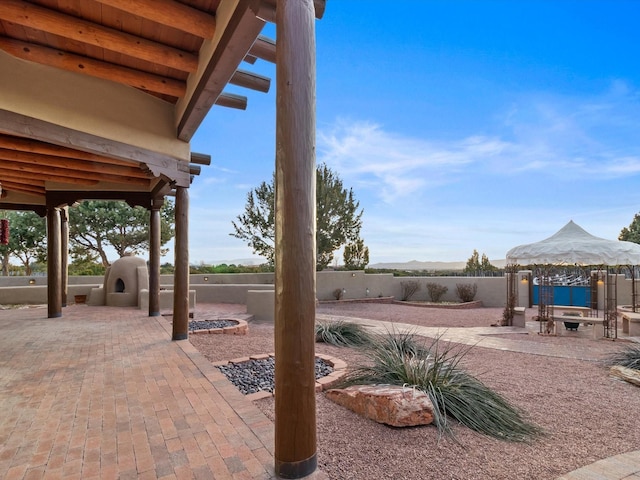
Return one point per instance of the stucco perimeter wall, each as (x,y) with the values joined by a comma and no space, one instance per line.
(37,294)
(232,288)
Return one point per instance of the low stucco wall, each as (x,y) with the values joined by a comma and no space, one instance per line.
(37,294)
(233,288)
(261,304)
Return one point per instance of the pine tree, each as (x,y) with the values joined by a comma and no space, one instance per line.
(338,220)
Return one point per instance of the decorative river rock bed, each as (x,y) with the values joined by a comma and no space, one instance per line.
(255,376)
(219,326)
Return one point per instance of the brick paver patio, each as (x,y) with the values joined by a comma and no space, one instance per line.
(103,393)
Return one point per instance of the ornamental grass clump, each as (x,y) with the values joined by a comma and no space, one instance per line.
(342,334)
(435,369)
(629,358)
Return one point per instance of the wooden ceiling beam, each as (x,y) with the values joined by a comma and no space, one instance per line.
(231,46)
(200,158)
(69,197)
(55,23)
(251,80)
(65,174)
(171,14)
(264,48)
(23,188)
(19,173)
(41,210)
(77,166)
(268,9)
(34,146)
(95,68)
(231,100)
(18,125)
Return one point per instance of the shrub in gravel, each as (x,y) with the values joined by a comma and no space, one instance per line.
(409,289)
(629,358)
(435,369)
(341,334)
(436,291)
(466,291)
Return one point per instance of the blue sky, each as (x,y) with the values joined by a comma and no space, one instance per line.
(460,125)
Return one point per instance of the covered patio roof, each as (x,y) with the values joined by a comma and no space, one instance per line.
(105,95)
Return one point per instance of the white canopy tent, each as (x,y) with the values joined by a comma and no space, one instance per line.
(572,245)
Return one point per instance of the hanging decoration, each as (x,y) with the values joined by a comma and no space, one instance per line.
(4,231)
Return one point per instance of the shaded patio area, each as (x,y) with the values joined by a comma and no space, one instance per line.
(104,393)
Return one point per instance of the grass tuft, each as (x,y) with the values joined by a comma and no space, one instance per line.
(402,359)
(629,358)
(342,334)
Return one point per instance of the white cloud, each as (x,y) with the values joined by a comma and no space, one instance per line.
(395,164)
(541,137)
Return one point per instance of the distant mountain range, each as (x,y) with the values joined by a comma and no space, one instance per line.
(416,265)
(412,265)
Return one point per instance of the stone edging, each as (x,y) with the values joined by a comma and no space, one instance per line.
(241,328)
(451,306)
(324,383)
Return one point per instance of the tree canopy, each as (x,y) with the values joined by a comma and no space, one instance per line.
(356,255)
(476,266)
(338,218)
(95,225)
(27,239)
(631,233)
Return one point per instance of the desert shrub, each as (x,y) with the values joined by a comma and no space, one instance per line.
(466,291)
(337,293)
(434,369)
(629,358)
(341,334)
(409,289)
(436,291)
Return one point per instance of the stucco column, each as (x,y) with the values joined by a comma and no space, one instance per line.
(54,264)
(154,257)
(181,272)
(295,256)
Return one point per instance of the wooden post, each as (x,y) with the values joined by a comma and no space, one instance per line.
(154,257)
(54,264)
(64,253)
(295,249)
(181,273)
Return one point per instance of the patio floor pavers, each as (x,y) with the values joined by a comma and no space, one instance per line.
(103,393)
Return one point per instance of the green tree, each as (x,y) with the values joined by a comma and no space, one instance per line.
(356,255)
(632,233)
(473,263)
(27,240)
(256,225)
(485,265)
(476,266)
(96,225)
(337,216)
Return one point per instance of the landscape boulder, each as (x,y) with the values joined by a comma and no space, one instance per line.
(627,374)
(389,404)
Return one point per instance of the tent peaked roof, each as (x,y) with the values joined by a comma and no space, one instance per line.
(573,245)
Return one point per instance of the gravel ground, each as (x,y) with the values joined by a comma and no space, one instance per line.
(586,414)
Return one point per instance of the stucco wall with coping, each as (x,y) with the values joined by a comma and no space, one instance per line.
(232,288)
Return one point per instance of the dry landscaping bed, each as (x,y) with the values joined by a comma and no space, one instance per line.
(587,415)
